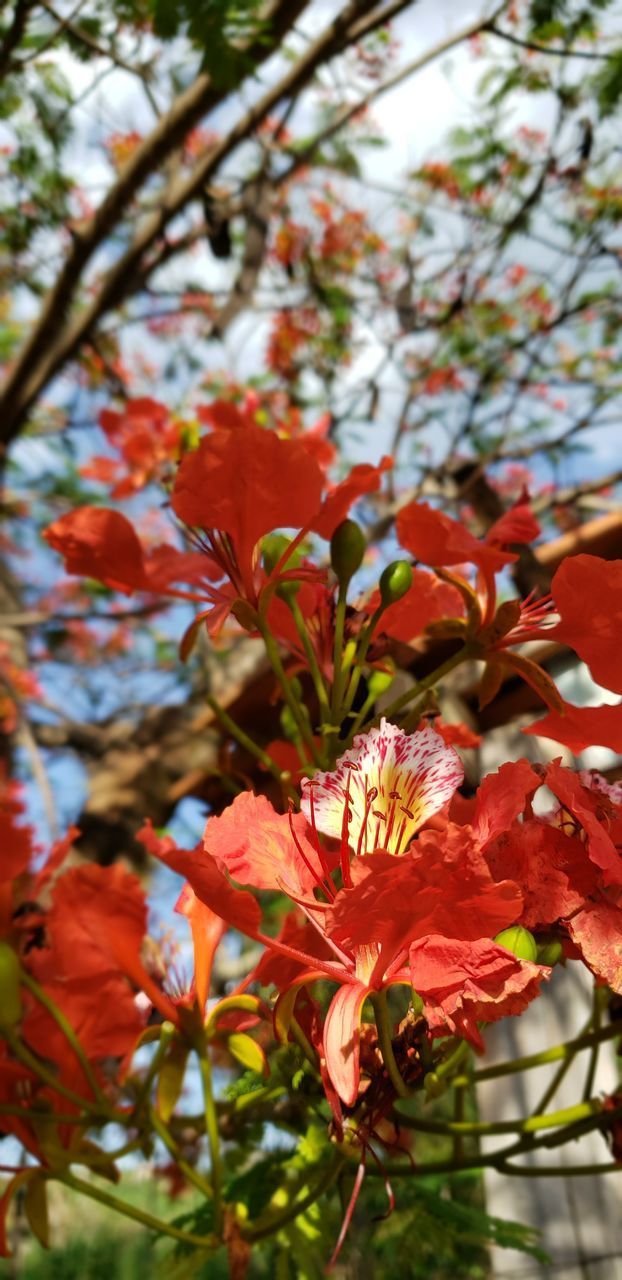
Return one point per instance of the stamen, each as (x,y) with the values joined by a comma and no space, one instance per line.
(400,836)
(372,795)
(343,852)
(318,879)
(321,853)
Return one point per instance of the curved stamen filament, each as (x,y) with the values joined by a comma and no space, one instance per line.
(370,796)
(317,845)
(328,888)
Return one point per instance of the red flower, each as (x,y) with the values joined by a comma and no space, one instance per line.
(236,487)
(359,935)
(146,437)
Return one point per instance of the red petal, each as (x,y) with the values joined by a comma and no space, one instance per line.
(581,727)
(436,539)
(463,983)
(362,479)
(427,601)
(200,869)
(256,847)
(587,591)
(552,869)
(516,525)
(447,888)
(597,931)
(247,483)
(101,544)
(583,805)
(342,1036)
(502,796)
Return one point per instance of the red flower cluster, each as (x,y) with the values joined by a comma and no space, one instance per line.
(225,494)
(393,898)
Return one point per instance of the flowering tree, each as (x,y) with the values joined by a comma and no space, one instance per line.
(361,904)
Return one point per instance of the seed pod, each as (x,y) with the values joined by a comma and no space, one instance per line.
(395,581)
(519,941)
(347,548)
(10,998)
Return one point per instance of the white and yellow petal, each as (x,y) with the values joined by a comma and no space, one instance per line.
(384,788)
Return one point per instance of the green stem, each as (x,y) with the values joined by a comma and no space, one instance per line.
(361,715)
(276,1221)
(142,1096)
(131,1211)
(191,1174)
(482,1128)
(588,1087)
(257,1096)
(559,1075)
(316,674)
(303,1043)
(383,1024)
(32,1114)
(340,619)
(422,686)
(32,1062)
(449,1064)
(249,745)
(69,1034)
(458,1142)
(361,654)
(394,1169)
(554,1054)
(213,1137)
(556,1171)
(274,657)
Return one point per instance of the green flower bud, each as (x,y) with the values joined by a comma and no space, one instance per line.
(287,590)
(296,687)
(10,998)
(395,581)
(379,681)
(519,941)
(347,548)
(274,546)
(433,1085)
(550,952)
(289,726)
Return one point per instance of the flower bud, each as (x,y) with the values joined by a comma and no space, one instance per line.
(289,725)
(10,998)
(519,941)
(288,589)
(395,581)
(433,1085)
(347,548)
(379,681)
(550,951)
(273,547)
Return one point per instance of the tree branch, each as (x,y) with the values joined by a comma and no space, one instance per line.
(552,50)
(33,366)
